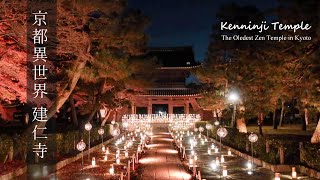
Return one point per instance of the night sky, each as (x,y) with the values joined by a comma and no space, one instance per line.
(185,22)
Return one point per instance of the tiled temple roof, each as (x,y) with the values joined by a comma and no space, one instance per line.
(171,92)
(174,57)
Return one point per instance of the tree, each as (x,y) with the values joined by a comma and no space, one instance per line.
(13,58)
(242,64)
(270,71)
(78,40)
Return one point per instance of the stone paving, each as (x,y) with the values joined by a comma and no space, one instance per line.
(161,161)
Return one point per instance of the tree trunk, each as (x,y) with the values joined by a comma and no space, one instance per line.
(260,119)
(316,135)
(93,112)
(99,115)
(106,118)
(274,119)
(73,111)
(233,121)
(96,103)
(62,97)
(304,118)
(217,115)
(282,113)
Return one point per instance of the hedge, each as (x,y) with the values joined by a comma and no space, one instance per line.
(308,155)
(59,145)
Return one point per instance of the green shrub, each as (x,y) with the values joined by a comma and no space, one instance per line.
(5,143)
(290,144)
(59,144)
(311,155)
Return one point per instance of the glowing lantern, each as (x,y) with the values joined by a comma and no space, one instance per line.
(224,171)
(222,159)
(217,161)
(111,170)
(93,162)
(222,132)
(229,152)
(213,165)
(294,173)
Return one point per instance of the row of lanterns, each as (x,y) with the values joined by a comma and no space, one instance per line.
(221,132)
(114,131)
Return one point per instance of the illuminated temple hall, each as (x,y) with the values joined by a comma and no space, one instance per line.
(171,92)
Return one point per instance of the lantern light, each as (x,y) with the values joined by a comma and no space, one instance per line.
(216,123)
(115,132)
(233,96)
(212,146)
(293,173)
(93,162)
(101,131)
(222,132)
(81,145)
(222,159)
(249,165)
(208,126)
(217,161)
(190,162)
(213,165)
(229,152)
(224,171)
(111,170)
(201,129)
(88,126)
(253,137)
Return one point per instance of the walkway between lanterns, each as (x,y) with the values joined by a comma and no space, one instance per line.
(161,161)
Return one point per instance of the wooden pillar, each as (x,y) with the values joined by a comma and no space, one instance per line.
(149,107)
(133,108)
(186,107)
(170,108)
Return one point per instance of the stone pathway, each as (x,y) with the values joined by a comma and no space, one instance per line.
(161,161)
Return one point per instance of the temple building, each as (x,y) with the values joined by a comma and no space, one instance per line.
(171,93)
